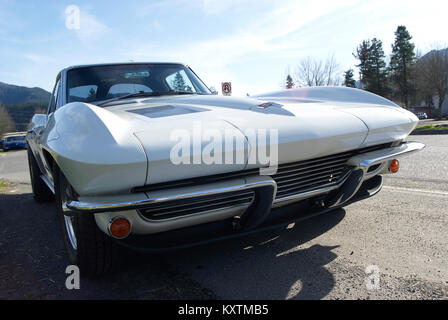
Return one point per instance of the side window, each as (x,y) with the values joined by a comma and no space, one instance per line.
(59,97)
(179,81)
(83,93)
(54,96)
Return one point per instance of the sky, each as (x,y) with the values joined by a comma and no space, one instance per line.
(249,43)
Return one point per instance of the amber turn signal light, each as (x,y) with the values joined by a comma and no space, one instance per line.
(394,166)
(120,228)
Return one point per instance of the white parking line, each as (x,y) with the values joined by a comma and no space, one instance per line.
(433,192)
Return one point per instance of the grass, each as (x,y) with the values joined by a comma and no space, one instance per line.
(3,185)
(432,127)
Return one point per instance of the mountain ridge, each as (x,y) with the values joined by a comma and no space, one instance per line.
(12,94)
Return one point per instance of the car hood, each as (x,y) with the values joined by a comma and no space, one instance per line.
(187,126)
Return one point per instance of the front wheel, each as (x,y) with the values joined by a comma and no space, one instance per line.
(41,192)
(87,246)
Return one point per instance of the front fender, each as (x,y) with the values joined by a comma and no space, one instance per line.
(96,150)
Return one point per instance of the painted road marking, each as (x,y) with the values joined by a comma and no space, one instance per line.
(434,192)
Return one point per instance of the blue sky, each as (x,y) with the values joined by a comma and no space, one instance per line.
(250,43)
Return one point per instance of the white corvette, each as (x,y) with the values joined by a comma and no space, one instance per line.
(141,154)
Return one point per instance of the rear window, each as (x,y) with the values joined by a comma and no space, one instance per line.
(126,88)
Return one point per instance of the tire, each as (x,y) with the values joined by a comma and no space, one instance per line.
(94,252)
(41,192)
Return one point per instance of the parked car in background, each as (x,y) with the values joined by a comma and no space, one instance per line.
(107,152)
(11,142)
(422,115)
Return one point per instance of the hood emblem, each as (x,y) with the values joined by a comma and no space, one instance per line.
(268,104)
(264,105)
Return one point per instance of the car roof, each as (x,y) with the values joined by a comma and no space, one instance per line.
(119,63)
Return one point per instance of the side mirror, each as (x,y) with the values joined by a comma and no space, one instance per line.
(38,120)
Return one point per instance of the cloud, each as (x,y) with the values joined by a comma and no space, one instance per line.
(265,33)
(89,28)
(212,7)
(156,25)
(247,42)
(33,57)
(153,7)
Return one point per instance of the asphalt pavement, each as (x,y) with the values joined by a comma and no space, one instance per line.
(391,246)
(14,166)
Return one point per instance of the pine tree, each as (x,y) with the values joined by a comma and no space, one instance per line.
(372,66)
(289,82)
(377,68)
(362,54)
(401,62)
(92,94)
(178,83)
(349,81)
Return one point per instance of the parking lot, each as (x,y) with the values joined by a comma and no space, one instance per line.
(401,234)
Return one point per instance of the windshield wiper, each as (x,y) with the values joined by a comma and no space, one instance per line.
(126,96)
(147,94)
(176,92)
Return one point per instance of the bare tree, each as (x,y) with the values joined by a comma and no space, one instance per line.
(312,72)
(6,122)
(432,77)
(333,72)
(305,75)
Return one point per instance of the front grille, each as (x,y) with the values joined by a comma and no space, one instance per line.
(308,175)
(185,207)
(302,176)
(291,178)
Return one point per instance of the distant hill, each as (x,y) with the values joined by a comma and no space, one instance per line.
(11,94)
(22,103)
(443,51)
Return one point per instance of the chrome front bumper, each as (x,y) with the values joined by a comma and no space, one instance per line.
(361,165)
(366,160)
(111,206)
(107,204)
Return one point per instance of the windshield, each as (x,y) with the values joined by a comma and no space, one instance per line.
(98,83)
